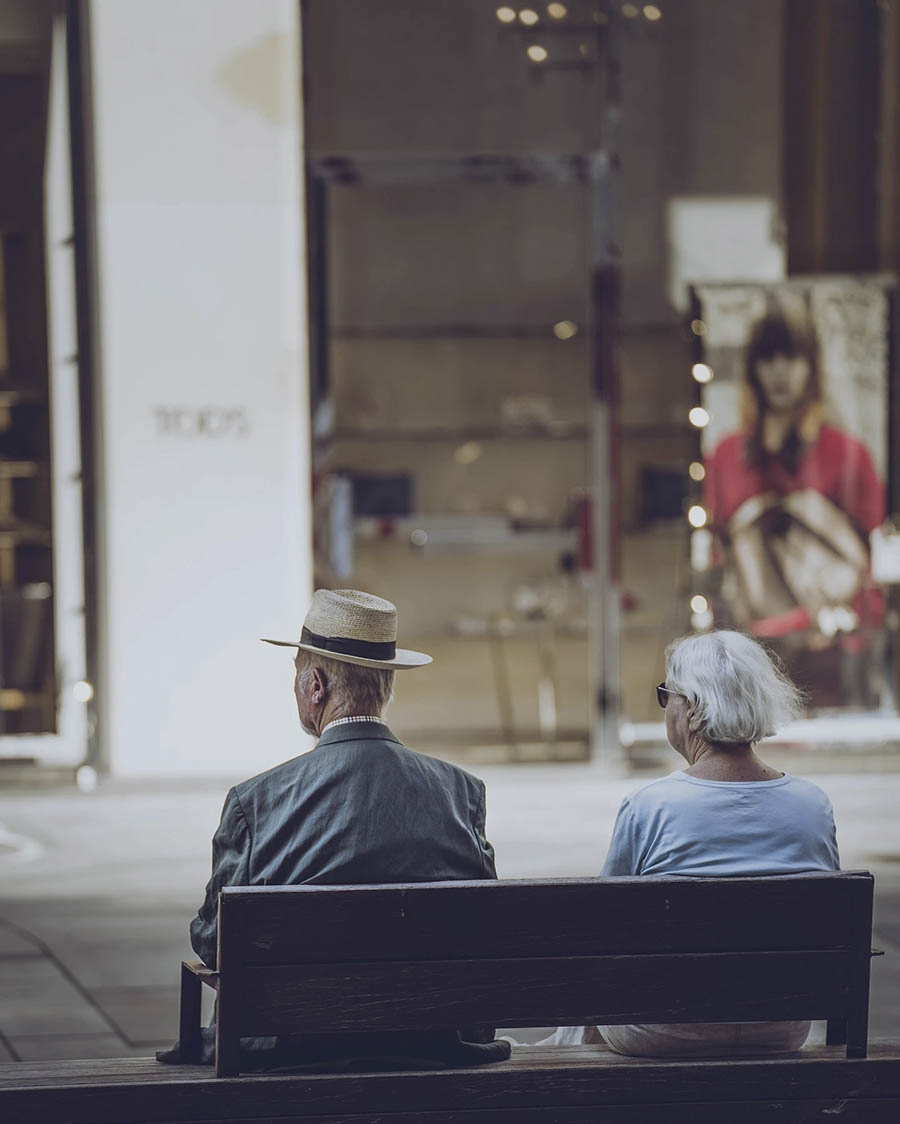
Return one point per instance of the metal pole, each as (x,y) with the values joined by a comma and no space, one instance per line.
(605,595)
(84,219)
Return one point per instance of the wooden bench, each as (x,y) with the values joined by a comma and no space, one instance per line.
(366,958)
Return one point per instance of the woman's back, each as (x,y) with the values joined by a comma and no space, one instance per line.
(682,824)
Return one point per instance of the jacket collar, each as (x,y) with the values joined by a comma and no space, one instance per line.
(358,732)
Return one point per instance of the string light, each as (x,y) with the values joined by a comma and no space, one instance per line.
(86,778)
(697,515)
(702,622)
(548,16)
(467,453)
(702,372)
(698,327)
(699,417)
(699,604)
(630,11)
(652,13)
(565,329)
(701,550)
(697,472)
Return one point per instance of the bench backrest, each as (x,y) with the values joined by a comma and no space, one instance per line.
(332,959)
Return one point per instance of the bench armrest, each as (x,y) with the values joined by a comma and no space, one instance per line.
(193,975)
(197,968)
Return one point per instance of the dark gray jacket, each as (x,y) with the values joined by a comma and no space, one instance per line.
(359,808)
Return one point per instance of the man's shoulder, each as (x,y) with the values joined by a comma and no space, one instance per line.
(438,765)
(351,752)
(451,770)
(277,774)
(352,739)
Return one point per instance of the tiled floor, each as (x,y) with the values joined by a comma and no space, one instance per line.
(36,994)
(61,1047)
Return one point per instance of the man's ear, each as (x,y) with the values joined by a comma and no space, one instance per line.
(320,683)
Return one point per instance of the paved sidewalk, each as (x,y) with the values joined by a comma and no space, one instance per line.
(97,891)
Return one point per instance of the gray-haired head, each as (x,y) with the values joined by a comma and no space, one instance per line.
(735,690)
(352,689)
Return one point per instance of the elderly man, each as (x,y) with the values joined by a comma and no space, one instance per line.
(359,808)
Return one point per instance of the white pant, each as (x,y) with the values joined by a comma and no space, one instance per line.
(673,1040)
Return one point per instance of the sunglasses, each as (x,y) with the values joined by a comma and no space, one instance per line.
(662,694)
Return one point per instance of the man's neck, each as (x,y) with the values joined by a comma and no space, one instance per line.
(339,713)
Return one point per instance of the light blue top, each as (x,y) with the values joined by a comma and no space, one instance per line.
(685,825)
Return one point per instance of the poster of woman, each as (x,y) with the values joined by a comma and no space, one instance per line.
(794,458)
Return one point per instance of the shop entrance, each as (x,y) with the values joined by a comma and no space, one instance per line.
(463,357)
(45,690)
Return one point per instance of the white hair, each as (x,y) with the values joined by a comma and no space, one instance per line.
(737,691)
(356,689)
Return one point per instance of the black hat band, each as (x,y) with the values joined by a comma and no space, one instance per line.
(365,649)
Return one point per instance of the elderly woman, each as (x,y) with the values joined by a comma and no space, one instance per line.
(727,813)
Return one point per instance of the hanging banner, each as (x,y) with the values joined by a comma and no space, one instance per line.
(795,454)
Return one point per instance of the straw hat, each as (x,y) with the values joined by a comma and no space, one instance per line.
(354,627)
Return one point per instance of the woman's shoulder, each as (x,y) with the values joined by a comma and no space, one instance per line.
(729,449)
(834,442)
(681,786)
(800,786)
(658,791)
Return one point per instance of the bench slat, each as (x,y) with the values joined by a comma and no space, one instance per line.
(541,992)
(552,1080)
(856,1111)
(768,1111)
(576,917)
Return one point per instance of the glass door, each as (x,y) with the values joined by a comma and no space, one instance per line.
(455,171)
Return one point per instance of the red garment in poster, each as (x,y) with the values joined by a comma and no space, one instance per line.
(837,466)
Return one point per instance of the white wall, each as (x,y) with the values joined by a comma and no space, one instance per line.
(204,388)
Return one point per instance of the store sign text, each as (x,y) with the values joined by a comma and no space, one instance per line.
(203,422)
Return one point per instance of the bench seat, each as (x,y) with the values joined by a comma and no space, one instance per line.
(538,1085)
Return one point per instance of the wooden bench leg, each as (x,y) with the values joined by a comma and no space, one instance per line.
(189,1016)
(836,1032)
(228,1041)
(858,1032)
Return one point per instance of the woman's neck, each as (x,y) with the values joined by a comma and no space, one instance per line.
(711,762)
(775,430)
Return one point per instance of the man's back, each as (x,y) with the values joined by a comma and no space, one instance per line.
(359,808)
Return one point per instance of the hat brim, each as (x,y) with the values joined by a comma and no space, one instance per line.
(404,660)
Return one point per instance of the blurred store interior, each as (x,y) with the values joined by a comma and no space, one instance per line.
(403,296)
